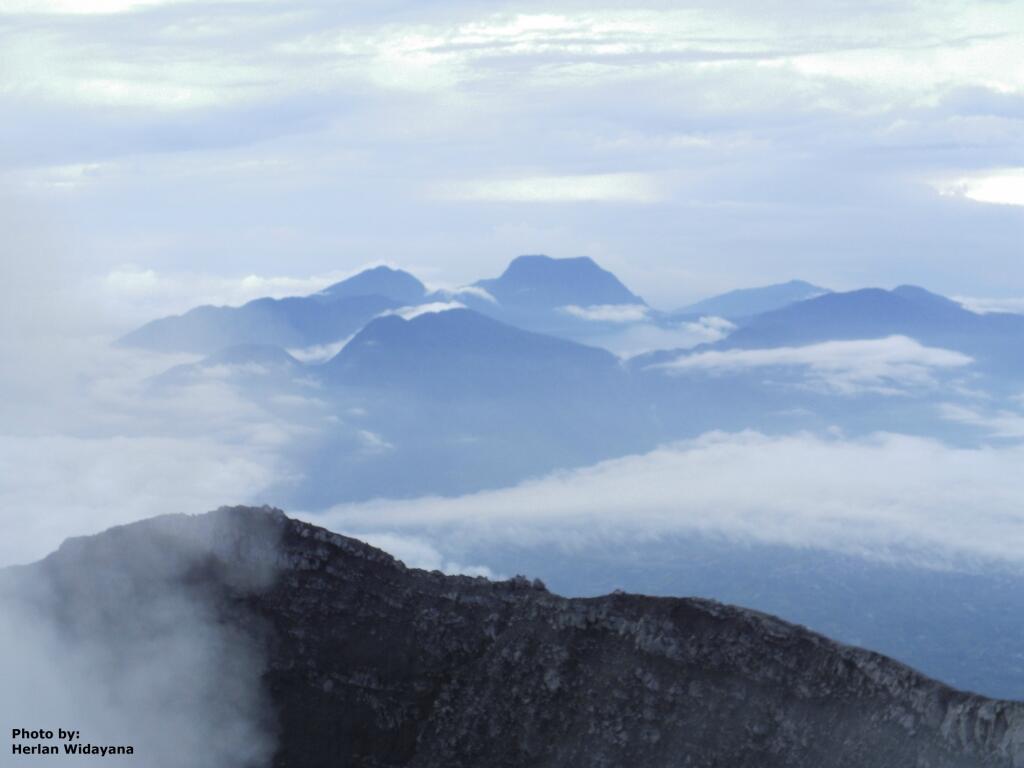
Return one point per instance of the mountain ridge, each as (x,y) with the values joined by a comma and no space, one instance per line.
(395,284)
(747,302)
(875,313)
(369,662)
(292,322)
(461,348)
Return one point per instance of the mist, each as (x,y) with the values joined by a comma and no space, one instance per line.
(134,651)
(87,442)
(123,641)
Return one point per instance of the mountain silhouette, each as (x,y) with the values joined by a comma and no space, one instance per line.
(746,302)
(541,282)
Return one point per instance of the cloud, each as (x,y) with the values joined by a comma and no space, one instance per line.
(473,291)
(417,552)
(608,187)
(78,6)
(477,45)
(1002,424)
(320,353)
(278,134)
(130,295)
(60,486)
(87,442)
(608,313)
(133,295)
(639,338)
(886,496)
(713,328)
(882,366)
(79,640)
(373,443)
(409,313)
(1001,187)
(987,305)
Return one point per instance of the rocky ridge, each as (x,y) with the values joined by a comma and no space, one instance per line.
(370,663)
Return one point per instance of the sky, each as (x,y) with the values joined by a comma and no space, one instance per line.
(175,152)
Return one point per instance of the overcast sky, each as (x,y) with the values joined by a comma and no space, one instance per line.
(170,149)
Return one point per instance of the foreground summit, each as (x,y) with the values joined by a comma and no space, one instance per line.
(366,662)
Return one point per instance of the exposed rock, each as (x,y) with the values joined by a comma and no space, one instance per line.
(370,663)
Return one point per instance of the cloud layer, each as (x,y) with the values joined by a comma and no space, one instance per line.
(882,366)
(608,313)
(887,496)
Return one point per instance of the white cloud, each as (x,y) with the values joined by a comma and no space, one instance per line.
(86,444)
(59,486)
(711,327)
(319,353)
(84,441)
(881,366)
(605,187)
(131,295)
(473,291)
(1002,186)
(920,71)
(373,443)
(141,294)
(78,6)
(608,313)
(648,337)
(1003,423)
(886,496)
(916,51)
(408,313)
(985,306)
(417,552)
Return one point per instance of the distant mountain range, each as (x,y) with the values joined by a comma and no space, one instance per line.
(874,313)
(993,340)
(532,292)
(576,299)
(292,322)
(410,392)
(496,377)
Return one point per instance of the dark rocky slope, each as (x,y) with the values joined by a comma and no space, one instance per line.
(369,663)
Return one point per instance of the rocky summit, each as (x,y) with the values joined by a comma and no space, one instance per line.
(365,662)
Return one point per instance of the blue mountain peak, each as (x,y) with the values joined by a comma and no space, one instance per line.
(542,282)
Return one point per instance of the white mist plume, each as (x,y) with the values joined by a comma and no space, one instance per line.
(122,638)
